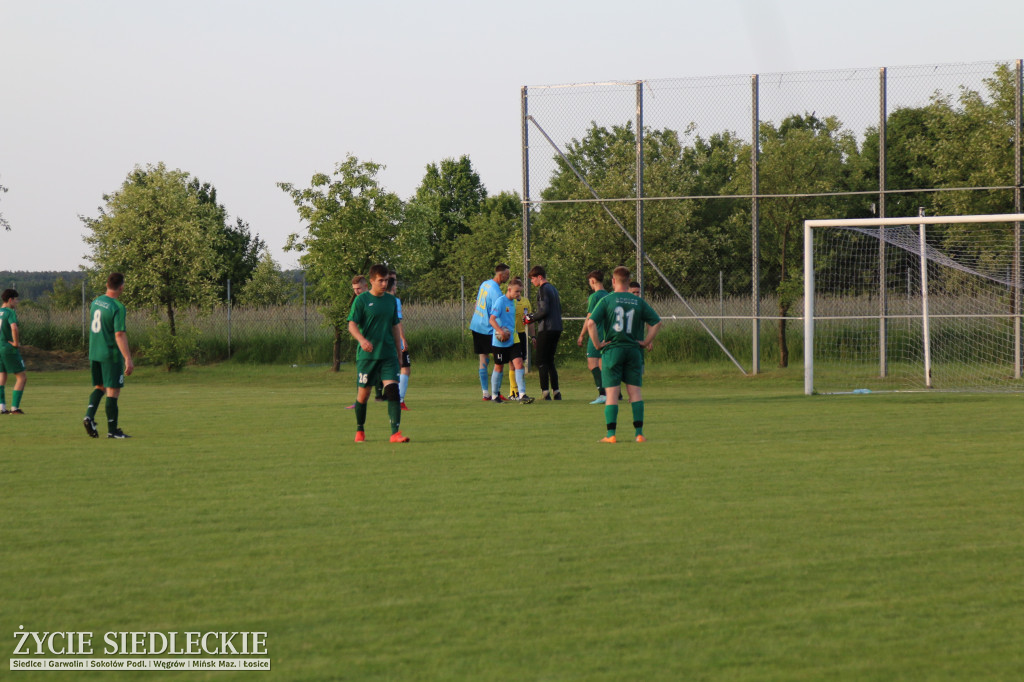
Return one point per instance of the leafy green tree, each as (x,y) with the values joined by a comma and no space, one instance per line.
(802,155)
(352,223)
(64,296)
(268,285)
(493,237)
(160,235)
(443,208)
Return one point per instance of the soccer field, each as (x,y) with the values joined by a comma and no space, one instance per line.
(760,534)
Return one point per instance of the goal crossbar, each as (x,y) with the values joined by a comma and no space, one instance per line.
(922,251)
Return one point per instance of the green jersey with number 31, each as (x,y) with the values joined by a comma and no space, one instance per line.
(106,318)
(622,317)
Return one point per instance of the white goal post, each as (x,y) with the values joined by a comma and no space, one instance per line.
(913,303)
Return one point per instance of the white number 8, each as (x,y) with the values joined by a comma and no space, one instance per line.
(96,325)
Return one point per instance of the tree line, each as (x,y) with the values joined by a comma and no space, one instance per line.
(168,233)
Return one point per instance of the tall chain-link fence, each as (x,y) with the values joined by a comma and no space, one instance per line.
(707,204)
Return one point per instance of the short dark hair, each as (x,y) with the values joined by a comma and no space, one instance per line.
(359,279)
(622,274)
(115,281)
(538,271)
(634,285)
(596,274)
(8,295)
(378,270)
(501,267)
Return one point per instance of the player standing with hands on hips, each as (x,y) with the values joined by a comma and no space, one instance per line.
(623,318)
(110,358)
(373,323)
(10,356)
(548,319)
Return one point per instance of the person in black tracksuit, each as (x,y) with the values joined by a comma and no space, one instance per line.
(548,321)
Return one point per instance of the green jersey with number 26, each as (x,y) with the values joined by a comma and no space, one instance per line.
(622,317)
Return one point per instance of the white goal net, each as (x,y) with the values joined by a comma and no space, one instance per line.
(913,304)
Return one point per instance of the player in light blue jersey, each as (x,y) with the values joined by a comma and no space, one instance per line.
(503,339)
(480,325)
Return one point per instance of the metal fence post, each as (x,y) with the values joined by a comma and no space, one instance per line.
(462,297)
(304,314)
(755,267)
(229,318)
(640,184)
(1018,207)
(883,299)
(85,314)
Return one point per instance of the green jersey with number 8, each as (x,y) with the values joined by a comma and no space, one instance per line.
(106,318)
(622,317)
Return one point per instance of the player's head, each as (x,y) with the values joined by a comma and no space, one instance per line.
(378,277)
(115,282)
(515,289)
(622,275)
(634,288)
(359,285)
(501,273)
(537,272)
(595,278)
(10,295)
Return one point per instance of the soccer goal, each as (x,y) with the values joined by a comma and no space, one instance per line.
(903,304)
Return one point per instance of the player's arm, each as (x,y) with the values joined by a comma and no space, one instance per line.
(401,335)
(121,338)
(591,327)
(497,328)
(396,334)
(364,343)
(583,332)
(652,331)
(15,335)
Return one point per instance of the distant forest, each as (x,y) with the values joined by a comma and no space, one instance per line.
(34,286)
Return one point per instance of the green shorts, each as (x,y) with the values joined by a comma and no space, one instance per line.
(108,373)
(10,360)
(621,364)
(591,351)
(372,370)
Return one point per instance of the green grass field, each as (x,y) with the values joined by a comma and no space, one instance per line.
(759,535)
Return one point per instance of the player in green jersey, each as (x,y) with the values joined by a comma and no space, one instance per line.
(10,356)
(623,317)
(595,279)
(373,323)
(110,358)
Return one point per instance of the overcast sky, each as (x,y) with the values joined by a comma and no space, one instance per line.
(247,93)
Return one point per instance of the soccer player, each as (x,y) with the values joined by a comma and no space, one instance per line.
(623,317)
(548,319)
(10,356)
(489,292)
(359,285)
(404,360)
(595,280)
(506,350)
(522,328)
(110,358)
(373,322)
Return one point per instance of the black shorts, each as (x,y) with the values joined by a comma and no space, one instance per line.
(403,359)
(481,343)
(505,355)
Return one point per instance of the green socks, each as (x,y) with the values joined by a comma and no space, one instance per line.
(111,415)
(16,399)
(611,416)
(638,417)
(94,403)
(395,414)
(597,379)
